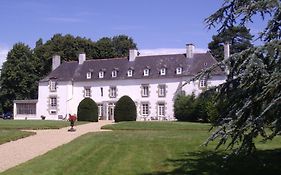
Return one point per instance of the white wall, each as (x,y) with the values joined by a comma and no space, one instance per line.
(69,94)
(63,94)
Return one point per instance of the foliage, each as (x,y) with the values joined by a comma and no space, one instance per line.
(19,76)
(118,46)
(253,86)
(87,110)
(197,109)
(68,47)
(238,37)
(125,110)
(184,108)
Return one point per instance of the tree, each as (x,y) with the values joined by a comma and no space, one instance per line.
(253,85)
(67,46)
(19,76)
(125,110)
(87,110)
(238,37)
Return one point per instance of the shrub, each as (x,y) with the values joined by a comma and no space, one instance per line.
(184,107)
(87,110)
(125,110)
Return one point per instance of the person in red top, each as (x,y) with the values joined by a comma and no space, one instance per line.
(72,119)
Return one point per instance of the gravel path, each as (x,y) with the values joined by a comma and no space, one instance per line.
(19,151)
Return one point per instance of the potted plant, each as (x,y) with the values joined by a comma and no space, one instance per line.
(72,119)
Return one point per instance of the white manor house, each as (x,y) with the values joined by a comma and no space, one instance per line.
(151,81)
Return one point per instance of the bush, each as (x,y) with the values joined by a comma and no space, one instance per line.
(87,110)
(125,110)
(201,109)
(184,108)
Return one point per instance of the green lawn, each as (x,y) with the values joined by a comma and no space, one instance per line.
(10,135)
(34,124)
(152,149)
(11,129)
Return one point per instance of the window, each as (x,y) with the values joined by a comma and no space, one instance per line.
(144,109)
(144,90)
(202,83)
(89,75)
(53,102)
(162,90)
(130,73)
(100,110)
(101,92)
(163,71)
(112,92)
(87,92)
(101,74)
(114,73)
(179,71)
(26,108)
(146,72)
(52,85)
(161,109)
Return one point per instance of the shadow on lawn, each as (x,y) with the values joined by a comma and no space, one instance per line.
(213,163)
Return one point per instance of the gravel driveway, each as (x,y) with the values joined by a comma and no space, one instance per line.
(22,150)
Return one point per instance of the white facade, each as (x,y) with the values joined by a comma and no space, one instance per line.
(70,94)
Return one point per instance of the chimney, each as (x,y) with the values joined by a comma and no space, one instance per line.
(55,62)
(133,53)
(226,50)
(189,50)
(82,58)
(226,56)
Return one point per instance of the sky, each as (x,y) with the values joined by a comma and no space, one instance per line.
(153,24)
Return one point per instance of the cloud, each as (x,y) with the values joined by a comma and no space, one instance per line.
(3,55)
(168,51)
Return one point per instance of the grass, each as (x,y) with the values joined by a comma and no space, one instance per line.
(151,149)
(11,129)
(34,124)
(11,135)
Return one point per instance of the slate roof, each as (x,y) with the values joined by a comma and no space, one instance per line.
(190,66)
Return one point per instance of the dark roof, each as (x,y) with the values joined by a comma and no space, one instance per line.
(190,66)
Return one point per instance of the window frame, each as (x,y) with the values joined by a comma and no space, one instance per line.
(179,70)
(145,109)
(113,92)
(146,72)
(87,92)
(161,90)
(145,90)
(202,83)
(89,75)
(163,71)
(53,86)
(130,73)
(161,110)
(101,74)
(114,73)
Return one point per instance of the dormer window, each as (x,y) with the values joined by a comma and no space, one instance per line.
(179,70)
(163,71)
(89,75)
(101,74)
(114,73)
(52,85)
(146,72)
(130,73)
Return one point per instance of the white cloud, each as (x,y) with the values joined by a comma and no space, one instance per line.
(168,51)
(3,55)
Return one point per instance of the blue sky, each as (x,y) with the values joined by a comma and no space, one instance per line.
(151,23)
